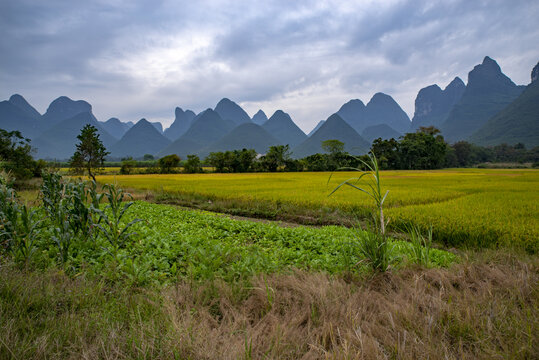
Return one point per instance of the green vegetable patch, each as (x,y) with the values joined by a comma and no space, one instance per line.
(173,242)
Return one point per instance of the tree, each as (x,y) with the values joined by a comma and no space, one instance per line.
(169,162)
(90,153)
(192,165)
(316,162)
(424,149)
(15,155)
(217,160)
(246,159)
(275,157)
(336,155)
(127,166)
(333,146)
(387,152)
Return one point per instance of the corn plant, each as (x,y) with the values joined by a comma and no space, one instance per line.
(8,214)
(79,199)
(19,226)
(63,237)
(52,192)
(28,231)
(110,217)
(373,186)
(373,245)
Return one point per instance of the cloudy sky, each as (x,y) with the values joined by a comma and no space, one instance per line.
(134,59)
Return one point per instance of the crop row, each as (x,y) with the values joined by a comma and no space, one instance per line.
(465,207)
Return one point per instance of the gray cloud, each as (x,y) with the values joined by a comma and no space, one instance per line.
(141,59)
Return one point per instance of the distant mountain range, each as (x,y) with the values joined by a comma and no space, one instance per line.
(490,109)
(488,92)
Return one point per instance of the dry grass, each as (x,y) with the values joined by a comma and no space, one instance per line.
(485,308)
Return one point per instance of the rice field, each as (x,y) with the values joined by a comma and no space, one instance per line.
(476,207)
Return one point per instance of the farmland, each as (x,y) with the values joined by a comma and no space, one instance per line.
(466,207)
(188,283)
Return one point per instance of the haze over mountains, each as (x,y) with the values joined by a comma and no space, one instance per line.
(488,110)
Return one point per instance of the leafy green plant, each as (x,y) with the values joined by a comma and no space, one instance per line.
(80,198)
(8,214)
(112,229)
(420,245)
(376,249)
(19,225)
(27,234)
(52,192)
(63,236)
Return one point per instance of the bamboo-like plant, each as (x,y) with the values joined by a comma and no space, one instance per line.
(373,186)
(373,245)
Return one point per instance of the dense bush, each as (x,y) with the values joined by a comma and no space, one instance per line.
(15,156)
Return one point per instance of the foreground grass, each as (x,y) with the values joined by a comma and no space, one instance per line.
(466,207)
(486,307)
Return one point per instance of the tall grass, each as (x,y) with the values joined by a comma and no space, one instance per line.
(420,245)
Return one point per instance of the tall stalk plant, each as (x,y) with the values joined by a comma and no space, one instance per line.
(373,245)
(372,188)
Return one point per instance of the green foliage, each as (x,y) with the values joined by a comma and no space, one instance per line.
(19,225)
(424,149)
(275,157)
(388,153)
(15,155)
(420,245)
(128,165)
(373,245)
(168,163)
(73,209)
(232,161)
(376,249)
(332,146)
(110,227)
(204,245)
(90,152)
(192,165)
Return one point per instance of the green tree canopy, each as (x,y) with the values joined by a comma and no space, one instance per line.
(333,146)
(192,165)
(15,155)
(168,163)
(275,157)
(90,153)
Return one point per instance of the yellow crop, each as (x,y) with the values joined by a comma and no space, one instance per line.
(463,205)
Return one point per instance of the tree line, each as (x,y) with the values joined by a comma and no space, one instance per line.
(423,149)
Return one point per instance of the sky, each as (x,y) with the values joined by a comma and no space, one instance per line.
(141,59)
